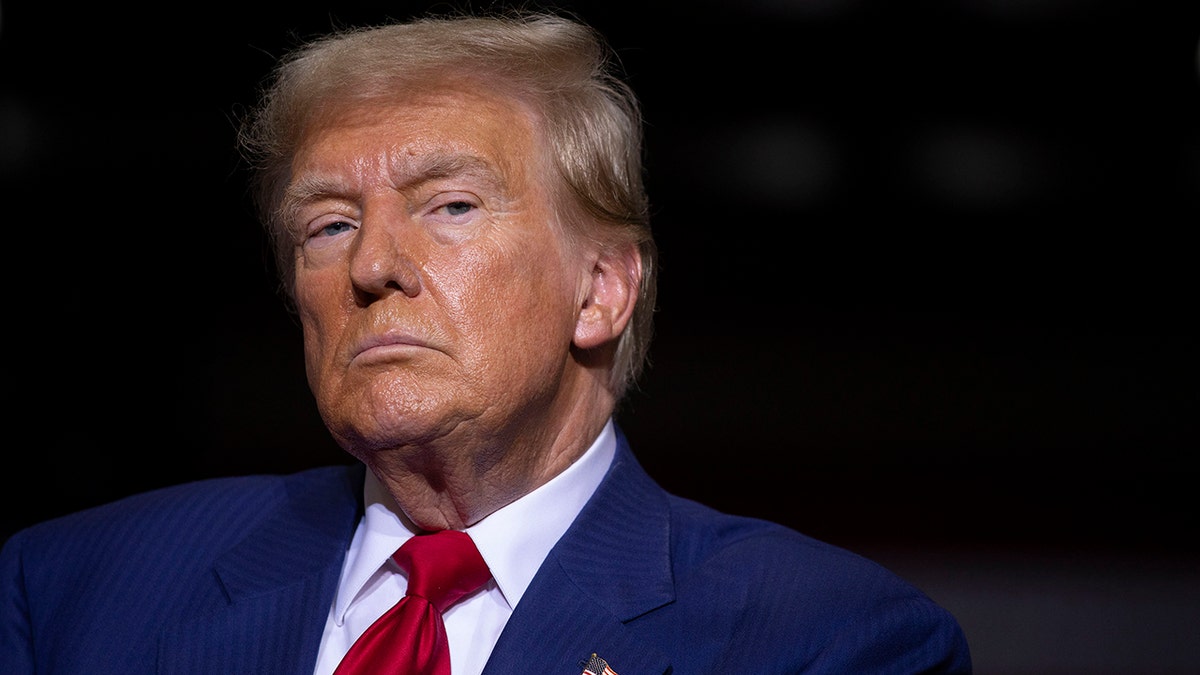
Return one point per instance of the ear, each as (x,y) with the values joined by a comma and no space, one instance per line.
(609,296)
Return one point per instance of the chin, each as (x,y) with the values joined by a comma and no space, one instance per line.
(380,422)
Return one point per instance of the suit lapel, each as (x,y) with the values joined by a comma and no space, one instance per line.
(612,565)
(267,608)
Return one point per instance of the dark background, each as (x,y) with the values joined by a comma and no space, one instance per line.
(928,275)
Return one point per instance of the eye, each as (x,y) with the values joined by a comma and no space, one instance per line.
(333,229)
(458,208)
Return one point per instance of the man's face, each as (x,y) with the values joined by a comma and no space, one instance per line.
(435,291)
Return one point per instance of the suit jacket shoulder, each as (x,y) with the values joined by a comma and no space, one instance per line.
(228,575)
(654,583)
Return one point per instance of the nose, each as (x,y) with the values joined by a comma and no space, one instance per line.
(384,259)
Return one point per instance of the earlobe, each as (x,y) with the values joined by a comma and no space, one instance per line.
(610,298)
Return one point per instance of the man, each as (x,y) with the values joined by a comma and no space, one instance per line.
(459,215)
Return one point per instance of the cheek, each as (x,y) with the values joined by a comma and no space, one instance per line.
(472,283)
(516,286)
(319,318)
(312,346)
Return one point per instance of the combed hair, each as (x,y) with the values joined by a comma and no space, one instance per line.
(559,67)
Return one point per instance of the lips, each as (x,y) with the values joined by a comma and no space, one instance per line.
(386,346)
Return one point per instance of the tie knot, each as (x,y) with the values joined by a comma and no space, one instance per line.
(442,567)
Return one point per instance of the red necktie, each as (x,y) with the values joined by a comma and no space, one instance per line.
(410,638)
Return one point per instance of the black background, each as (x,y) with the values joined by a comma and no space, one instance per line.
(928,273)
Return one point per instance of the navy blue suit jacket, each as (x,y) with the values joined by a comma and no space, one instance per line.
(236,575)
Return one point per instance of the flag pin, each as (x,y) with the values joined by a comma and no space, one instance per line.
(596,666)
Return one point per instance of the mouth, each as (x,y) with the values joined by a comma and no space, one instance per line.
(386,347)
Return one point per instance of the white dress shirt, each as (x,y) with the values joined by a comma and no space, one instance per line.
(513,541)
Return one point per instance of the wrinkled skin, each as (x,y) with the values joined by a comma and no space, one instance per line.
(444,312)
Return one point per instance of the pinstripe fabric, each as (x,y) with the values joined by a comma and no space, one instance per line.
(654,584)
(236,576)
(228,576)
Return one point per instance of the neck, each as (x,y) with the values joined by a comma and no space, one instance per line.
(457,480)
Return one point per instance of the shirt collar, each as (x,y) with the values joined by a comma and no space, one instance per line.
(513,540)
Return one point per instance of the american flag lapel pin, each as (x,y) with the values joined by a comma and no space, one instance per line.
(596,666)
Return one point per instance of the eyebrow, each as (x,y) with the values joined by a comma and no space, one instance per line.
(442,165)
(407,172)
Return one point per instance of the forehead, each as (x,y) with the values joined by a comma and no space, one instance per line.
(449,131)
